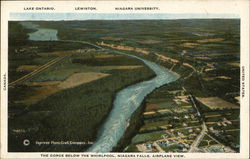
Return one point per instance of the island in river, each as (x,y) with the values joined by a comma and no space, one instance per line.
(101,86)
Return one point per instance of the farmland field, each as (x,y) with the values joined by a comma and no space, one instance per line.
(67,95)
(65,88)
(216,103)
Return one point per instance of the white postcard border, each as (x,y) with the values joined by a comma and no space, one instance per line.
(240,7)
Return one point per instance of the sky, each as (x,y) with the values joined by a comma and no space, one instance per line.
(112,16)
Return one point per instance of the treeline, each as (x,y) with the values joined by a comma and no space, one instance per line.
(111,61)
(17,34)
(72,115)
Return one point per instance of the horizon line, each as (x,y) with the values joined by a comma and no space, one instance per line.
(116,16)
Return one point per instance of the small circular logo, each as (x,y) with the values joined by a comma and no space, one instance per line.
(26,142)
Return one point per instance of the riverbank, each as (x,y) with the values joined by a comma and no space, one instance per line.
(137,120)
(208,67)
(80,108)
(161,74)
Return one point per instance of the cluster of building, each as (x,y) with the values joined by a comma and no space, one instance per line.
(31,49)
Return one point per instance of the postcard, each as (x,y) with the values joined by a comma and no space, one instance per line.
(125,79)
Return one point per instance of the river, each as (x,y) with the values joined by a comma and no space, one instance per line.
(126,101)
(41,34)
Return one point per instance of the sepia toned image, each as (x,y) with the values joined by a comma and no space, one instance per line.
(143,84)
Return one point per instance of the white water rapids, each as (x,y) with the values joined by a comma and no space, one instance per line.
(127,100)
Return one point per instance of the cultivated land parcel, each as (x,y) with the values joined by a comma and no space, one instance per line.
(64,91)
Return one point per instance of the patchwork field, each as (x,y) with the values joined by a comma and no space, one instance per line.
(74,89)
(47,88)
(150,42)
(125,48)
(217,103)
(76,93)
(27,68)
(111,38)
(189,45)
(58,53)
(210,40)
(217,77)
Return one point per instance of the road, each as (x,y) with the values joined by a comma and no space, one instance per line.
(38,70)
(194,104)
(204,130)
(82,42)
(158,147)
(199,138)
(194,145)
(50,63)
(221,143)
(114,126)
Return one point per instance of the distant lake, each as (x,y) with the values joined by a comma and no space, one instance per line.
(41,34)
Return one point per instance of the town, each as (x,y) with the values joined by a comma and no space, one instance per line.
(64,77)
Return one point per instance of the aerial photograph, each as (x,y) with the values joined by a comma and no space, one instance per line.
(143,85)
